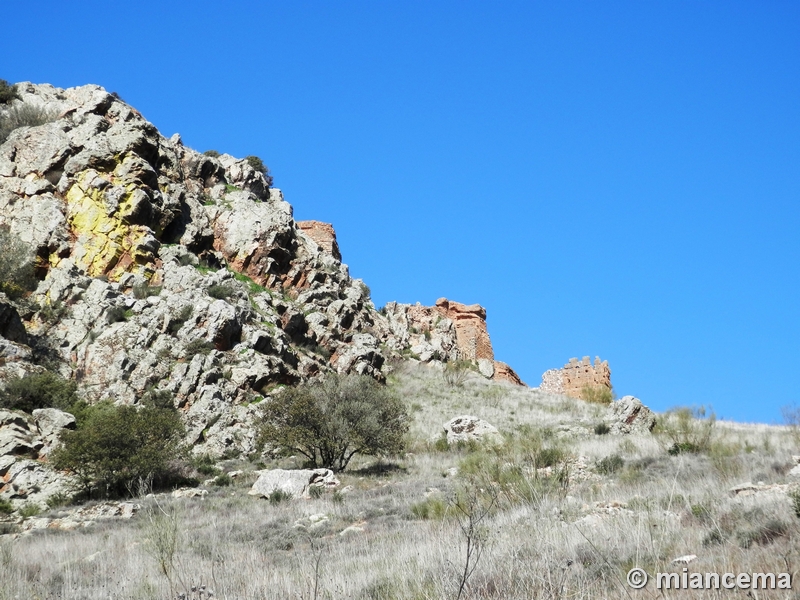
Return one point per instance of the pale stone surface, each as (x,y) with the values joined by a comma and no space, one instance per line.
(629,415)
(468,428)
(295,482)
(323,234)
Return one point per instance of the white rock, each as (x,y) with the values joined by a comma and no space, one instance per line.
(467,428)
(295,482)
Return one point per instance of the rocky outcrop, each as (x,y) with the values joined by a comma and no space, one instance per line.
(25,441)
(571,379)
(470,324)
(446,331)
(628,415)
(471,429)
(323,234)
(297,483)
(165,269)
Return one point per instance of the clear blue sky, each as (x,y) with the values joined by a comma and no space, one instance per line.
(607,178)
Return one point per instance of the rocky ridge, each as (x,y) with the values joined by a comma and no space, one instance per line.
(163,268)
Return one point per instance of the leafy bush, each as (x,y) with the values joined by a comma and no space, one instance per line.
(198,346)
(601,429)
(599,394)
(38,390)
(23,115)
(223,480)
(220,292)
(16,267)
(610,464)
(8,92)
(686,430)
(29,510)
(114,447)
(331,421)
(795,499)
(259,166)
(145,291)
(115,314)
(277,496)
(211,153)
(6,508)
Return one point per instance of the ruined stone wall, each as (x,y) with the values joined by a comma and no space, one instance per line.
(575,375)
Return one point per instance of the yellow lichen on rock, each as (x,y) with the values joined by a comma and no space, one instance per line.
(105,244)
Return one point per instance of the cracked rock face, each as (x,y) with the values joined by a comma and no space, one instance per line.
(161,268)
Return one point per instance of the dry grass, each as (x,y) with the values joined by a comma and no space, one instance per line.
(577,541)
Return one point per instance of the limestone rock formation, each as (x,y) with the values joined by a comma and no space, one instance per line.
(323,234)
(446,331)
(629,415)
(468,428)
(25,441)
(161,268)
(295,482)
(573,377)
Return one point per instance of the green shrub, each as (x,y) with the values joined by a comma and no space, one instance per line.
(198,346)
(23,115)
(8,92)
(211,153)
(145,291)
(16,267)
(114,447)
(220,292)
(223,480)
(794,496)
(38,390)
(259,166)
(277,496)
(29,510)
(601,429)
(6,508)
(434,507)
(115,314)
(599,394)
(686,430)
(58,500)
(205,465)
(330,421)
(610,464)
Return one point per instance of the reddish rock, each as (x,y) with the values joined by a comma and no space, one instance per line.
(470,321)
(323,234)
(502,372)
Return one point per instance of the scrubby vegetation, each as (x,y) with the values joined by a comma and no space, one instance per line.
(115,447)
(23,115)
(331,421)
(8,92)
(554,512)
(38,390)
(16,267)
(258,165)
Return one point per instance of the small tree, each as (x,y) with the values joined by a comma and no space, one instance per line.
(330,421)
(259,166)
(116,446)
